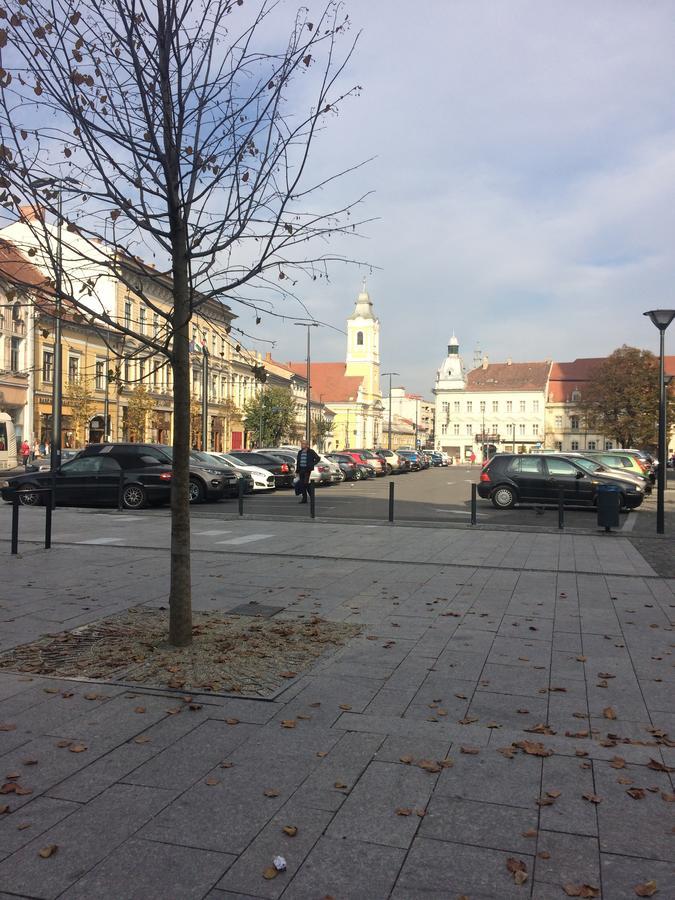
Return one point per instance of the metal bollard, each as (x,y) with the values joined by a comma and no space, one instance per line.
(48,521)
(312,500)
(240,496)
(561,509)
(391,501)
(473,504)
(15,524)
(120,491)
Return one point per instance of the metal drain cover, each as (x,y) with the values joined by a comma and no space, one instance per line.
(255,609)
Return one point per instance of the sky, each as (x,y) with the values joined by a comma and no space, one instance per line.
(522,186)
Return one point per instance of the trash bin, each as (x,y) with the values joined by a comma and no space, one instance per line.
(609,506)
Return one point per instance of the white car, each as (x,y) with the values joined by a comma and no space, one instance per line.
(262,479)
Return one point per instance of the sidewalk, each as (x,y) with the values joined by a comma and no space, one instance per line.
(505,695)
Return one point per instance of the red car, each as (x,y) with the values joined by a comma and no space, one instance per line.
(367,458)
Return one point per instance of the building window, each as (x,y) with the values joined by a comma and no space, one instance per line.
(521,430)
(469,406)
(608,445)
(455,430)
(574,445)
(127,314)
(509,427)
(509,405)
(100,374)
(141,370)
(155,325)
(535,406)
(576,396)
(522,406)
(127,371)
(73,368)
(141,320)
(445,407)
(558,445)
(47,366)
(535,430)
(359,338)
(574,423)
(495,429)
(14,353)
(495,406)
(482,405)
(592,445)
(469,430)
(455,406)
(444,429)
(558,422)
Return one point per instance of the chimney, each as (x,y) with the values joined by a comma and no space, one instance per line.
(486,362)
(268,356)
(30,213)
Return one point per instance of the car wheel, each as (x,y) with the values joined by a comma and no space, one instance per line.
(196,491)
(28,496)
(358,475)
(133,497)
(503,497)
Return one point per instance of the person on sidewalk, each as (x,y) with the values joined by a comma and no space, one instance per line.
(307,459)
(25,453)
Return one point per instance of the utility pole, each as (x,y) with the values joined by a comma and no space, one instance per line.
(106,401)
(205,394)
(308,417)
(389,437)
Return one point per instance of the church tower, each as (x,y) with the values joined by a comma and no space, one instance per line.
(363,344)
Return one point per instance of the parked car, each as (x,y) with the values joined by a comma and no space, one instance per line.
(394,464)
(437,459)
(507,479)
(99,477)
(619,459)
(413,459)
(262,479)
(283,471)
(211,463)
(334,470)
(43,463)
(593,464)
(367,458)
(348,466)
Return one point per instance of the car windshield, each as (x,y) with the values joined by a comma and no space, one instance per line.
(589,465)
(202,457)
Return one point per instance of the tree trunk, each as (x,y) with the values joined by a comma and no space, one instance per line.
(180,597)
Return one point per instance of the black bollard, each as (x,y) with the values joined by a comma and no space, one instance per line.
(473,504)
(15,524)
(391,501)
(312,500)
(48,521)
(561,509)
(120,492)
(240,497)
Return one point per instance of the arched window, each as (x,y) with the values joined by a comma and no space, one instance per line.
(576,396)
(359,338)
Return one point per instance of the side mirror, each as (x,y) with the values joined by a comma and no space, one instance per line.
(580,475)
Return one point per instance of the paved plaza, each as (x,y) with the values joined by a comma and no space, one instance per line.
(502,726)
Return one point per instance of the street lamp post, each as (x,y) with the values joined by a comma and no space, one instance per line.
(205,395)
(390,374)
(308,418)
(661,318)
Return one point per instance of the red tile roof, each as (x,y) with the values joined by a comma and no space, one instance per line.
(567,377)
(509,377)
(329,382)
(17,269)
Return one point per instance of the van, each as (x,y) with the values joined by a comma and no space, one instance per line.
(9,458)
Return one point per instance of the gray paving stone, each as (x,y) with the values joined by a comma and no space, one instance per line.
(440,869)
(192,756)
(344,765)
(481,824)
(419,747)
(573,859)
(620,875)
(392,725)
(512,680)
(82,841)
(40,814)
(102,773)
(503,709)
(492,778)
(246,876)
(334,867)
(152,871)
(570,812)
(370,809)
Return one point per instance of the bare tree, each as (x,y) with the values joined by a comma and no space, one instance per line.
(179,132)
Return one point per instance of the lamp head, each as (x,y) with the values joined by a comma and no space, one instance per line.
(661,317)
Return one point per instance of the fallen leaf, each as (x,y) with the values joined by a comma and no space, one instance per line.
(592,798)
(470,751)
(63,743)
(555,794)
(609,713)
(29,762)
(636,793)
(231,721)
(4,808)
(659,766)
(269,873)
(581,752)
(290,830)
(467,720)
(518,869)
(581,658)
(48,851)
(67,695)
(618,762)
(667,798)
(12,776)
(193,706)
(271,792)
(288,723)
(22,826)
(523,712)
(315,705)
(530,833)
(446,763)
(340,786)
(403,811)
(212,780)
(429,765)
(648,889)
(345,706)
(77,748)
(50,690)
(5,726)
(91,696)
(534,748)
(540,728)
(606,675)
(139,709)
(322,753)
(407,759)
(581,890)
(421,813)
(544,854)
(142,739)
(225,764)
(508,752)
(544,801)
(288,674)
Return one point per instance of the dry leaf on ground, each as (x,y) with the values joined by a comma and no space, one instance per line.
(534,748)
(403,811)
(636,793)
(648,889)
(271,792)
(407,759)
(592,798)
(77,748)
(659,766)
(518,869)
(290,830)
(609,713)
(581,890)
(212,780)
(288,723)
(470,751)
(231,721)
(270,872)
(48,851)
(618,762)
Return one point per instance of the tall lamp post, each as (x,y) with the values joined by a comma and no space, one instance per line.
(308,418)
(205,394)
(389,437)
(661,318)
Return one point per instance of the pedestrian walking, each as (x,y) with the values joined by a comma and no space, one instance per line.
(307,459)
(25,453)
(472,457)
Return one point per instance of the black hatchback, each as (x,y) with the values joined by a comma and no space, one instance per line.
(510,478)
(282,469)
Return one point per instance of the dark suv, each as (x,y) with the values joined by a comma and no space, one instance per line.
(510,478)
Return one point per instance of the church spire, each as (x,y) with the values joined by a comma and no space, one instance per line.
(364,305)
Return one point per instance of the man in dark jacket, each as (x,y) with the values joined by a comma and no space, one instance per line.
(306,461)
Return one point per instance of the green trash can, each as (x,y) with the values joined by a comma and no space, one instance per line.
(609,506)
